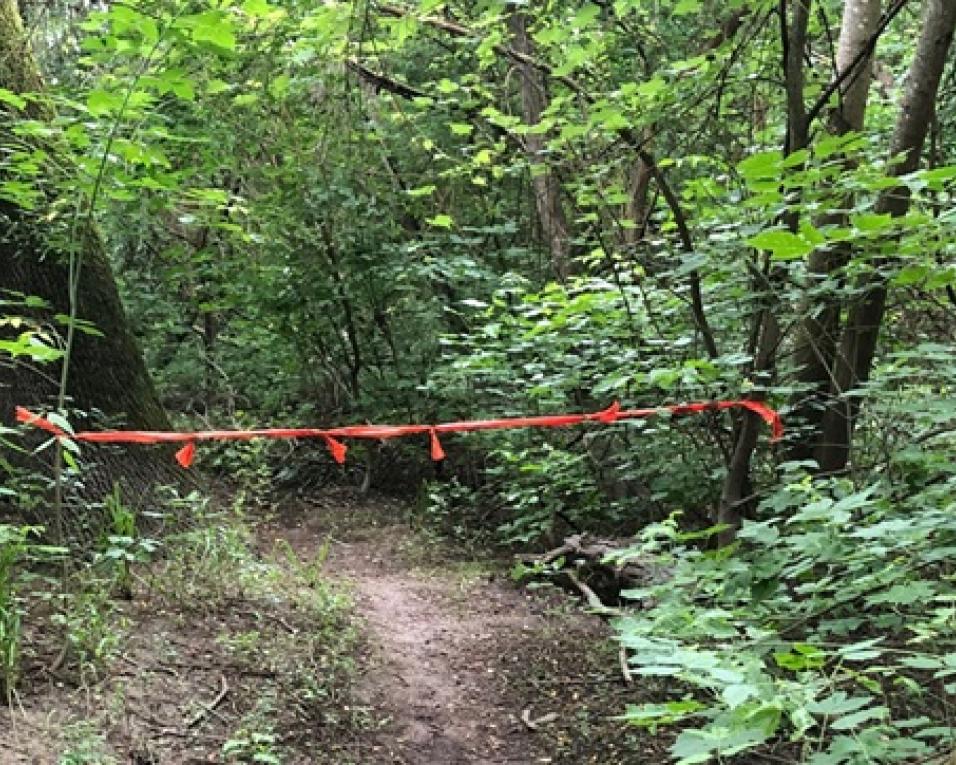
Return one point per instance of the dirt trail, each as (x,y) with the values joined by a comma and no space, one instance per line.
(438,645)
(455,665)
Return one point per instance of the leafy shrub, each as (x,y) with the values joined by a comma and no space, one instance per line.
(830,624)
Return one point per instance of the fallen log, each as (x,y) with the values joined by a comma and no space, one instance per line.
(591,569)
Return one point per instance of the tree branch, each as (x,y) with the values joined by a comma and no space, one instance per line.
(628,136)
(381,81)
(854,67)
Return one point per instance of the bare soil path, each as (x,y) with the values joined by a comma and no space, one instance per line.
(435,643)
(240,651)
(462,666)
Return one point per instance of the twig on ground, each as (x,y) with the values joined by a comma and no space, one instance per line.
(534,724)
(625,668)
(593,601)
(140,669)
(207,709)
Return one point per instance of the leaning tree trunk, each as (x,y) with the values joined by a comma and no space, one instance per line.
(858,343)
(814,354)
(107,374)
(736,496)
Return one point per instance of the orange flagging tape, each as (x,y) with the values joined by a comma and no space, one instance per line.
(331,436)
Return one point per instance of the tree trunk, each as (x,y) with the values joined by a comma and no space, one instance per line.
(859,24)
(735,497)
(107,374)
(858,344)
(637,210)
(544,183)
(817,340)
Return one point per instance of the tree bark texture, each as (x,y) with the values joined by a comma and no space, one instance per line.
(638,207)
(819,334)
(854,361)
(544,183)
(107,374)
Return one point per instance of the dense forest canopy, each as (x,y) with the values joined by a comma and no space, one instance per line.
(336,212)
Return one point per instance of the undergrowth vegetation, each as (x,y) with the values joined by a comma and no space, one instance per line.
(203,602)
(354,211)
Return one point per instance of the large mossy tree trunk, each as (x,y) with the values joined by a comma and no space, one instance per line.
(107,375)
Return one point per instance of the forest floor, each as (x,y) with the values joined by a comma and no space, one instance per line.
(340,635)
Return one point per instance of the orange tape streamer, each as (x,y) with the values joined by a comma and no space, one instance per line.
(338,449)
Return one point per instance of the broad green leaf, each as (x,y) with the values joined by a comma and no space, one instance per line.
(101,102)
(735,695)
(214,27)
(693,746)
(783,245)
(856,719)
(839,703)
(586,16)
(762,165)
(441,221)
(912,274)
(904,594)
(871,222)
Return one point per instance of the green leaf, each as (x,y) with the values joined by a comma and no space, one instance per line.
(441,221)
(922,662)
(761,166)
(177,82)
(650,715)
(216,28)
(12,99)
(802,657)
(80,325)
(735,695)
(871,221)
(447,86)
(586,15)
(856,719)
(795,159)
(938,177)
(100,102)
(693,746)
(911,274)
(783,245)
(904,594)
(258,8)
(686,7)
(279,86)
(60,421)
(838,703)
